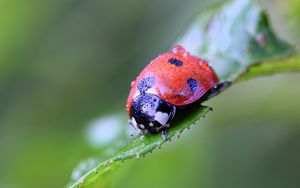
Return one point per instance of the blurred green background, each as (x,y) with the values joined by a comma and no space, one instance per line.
(65,63)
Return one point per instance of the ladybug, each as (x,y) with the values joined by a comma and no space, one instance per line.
(171,81)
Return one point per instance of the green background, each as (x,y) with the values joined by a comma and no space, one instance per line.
(65,63)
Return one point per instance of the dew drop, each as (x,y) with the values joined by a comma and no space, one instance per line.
(137,156)
(261,39)
(186,54)
(178,49)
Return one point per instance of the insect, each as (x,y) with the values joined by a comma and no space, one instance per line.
(171,81)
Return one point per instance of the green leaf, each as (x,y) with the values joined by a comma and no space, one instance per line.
(289,64)
(141,145)
(233,38)
(237,40)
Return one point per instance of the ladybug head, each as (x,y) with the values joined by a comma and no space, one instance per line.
(150,113)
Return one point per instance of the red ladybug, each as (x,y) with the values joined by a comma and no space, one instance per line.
(172,80)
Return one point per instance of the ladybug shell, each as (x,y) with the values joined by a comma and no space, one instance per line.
(176,77)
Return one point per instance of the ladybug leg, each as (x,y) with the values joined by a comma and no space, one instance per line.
(164,134)
(217,89)
(163,129)
(209,108)
(138,133)
(133,124)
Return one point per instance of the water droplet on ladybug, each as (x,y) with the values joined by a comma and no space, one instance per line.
(186,54)
(179,50)
(132,83)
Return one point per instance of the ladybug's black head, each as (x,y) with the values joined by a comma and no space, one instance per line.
(150,113)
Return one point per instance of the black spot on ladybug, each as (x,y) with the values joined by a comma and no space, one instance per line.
(175,61)
(193,84)
(145,84)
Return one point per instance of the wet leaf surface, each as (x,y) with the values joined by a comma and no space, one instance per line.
(237,40)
